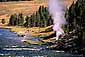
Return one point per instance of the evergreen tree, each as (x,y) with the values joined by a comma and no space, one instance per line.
(71,17)
(34,20)
(41,16)
(31,20)
(12,20)
(3,21)
(46,15)
(26,21)
(75,16)
(38,18)
(21,19)
(17,19)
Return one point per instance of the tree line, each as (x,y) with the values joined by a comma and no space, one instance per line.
(76,20)
(16,19)
(40,18)
(75,17)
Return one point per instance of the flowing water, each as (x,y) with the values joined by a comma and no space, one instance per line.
(8,38)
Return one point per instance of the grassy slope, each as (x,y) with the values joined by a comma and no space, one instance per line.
(25,7)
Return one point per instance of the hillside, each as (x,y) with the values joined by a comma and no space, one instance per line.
(25,7)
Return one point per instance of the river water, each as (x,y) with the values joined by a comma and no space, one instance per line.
(8,38)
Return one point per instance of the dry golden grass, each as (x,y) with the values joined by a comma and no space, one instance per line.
(34,31)
(25,7)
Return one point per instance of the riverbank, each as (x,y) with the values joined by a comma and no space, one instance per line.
(34,31)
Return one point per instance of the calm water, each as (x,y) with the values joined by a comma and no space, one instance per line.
(8,38)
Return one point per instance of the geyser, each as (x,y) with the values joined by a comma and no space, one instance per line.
(57,10)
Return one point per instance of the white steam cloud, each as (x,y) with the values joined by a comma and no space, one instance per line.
(57,11)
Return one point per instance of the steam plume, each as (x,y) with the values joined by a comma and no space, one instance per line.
(57,10)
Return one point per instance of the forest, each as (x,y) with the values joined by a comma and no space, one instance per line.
(74,16)
(39,19)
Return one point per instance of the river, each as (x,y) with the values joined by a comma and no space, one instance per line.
(9,39)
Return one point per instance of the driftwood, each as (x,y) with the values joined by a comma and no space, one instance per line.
(67,41)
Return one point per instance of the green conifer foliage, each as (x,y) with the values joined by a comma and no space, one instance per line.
(75,15)
(21,19)
(27,21)
(3,21)
(38,19)
(12,20)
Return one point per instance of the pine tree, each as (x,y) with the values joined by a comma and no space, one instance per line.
(26,21)
(12,20)
(3,21)
(17,19)
(46,15)
(75,16)
(71,17)
(21,19)
(31,20)
(34,20)
(38,18)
